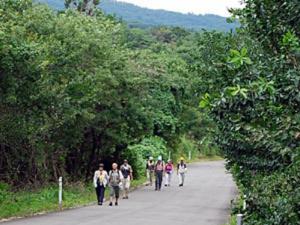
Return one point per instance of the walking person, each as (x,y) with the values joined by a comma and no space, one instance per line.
(181,171)
(159,171)
(100,182)
(127,173)
(150,168)
(169,171)
(115,181)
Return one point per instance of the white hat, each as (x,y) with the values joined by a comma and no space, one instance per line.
(150,158)
(159,158)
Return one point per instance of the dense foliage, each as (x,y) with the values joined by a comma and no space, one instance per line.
(76,89)
(255,100)
(136,16)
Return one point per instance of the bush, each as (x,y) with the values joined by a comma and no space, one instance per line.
(138,154)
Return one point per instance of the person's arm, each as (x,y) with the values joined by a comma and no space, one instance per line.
(106,176)
(121,176)
(177,169)
(131,173)
(109,176)
(95,179)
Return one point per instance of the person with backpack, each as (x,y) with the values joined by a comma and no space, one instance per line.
(150,168)
(127,173)
(115,181)
(159,171)
(181,171)
(168,172)
(100,182)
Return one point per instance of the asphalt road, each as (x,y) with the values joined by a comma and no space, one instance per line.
(204,200)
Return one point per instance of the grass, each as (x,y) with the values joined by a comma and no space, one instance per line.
(28,203)
(232,220)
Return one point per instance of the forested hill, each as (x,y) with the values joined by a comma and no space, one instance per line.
(142,17)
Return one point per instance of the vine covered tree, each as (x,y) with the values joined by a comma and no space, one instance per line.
(85,6)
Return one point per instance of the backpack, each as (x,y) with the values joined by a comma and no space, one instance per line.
(181,168)
(161,165)
(113,181)
(168,167)
(126,171)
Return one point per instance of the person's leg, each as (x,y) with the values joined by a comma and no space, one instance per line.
(124,188)
(112,193)
(167,179)
(156,180)
(148,177)
(179,178)
(117,194)
(181,175)
(151,177)
(102,192)
(183,178)
(98,194)
(160,179)
(127,187)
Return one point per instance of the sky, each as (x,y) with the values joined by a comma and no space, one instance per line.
(218,7)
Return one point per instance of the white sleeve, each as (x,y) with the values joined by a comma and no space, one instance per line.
(121,175)
(95,179)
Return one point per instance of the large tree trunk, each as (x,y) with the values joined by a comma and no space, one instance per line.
(92,155)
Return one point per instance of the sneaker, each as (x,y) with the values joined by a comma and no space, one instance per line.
(110,204)
(166,185)
(124,197)
(116,203)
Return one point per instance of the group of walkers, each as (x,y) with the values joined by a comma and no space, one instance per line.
(119,179)
(116,179)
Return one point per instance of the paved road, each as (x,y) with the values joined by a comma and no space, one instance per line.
(205,200)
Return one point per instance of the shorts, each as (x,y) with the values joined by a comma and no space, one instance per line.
(114,191)
(126,183)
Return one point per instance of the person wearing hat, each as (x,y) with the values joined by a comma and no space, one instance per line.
(100,182)
(168,172)
(127,172)
(159,171)
(150,167)
(181,170)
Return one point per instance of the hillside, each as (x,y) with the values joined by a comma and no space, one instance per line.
(142,17)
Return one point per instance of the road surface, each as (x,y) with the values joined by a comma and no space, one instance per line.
(204,200)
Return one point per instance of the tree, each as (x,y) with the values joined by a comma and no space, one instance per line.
(85,6)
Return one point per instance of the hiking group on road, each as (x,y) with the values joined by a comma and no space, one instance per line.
(119,179)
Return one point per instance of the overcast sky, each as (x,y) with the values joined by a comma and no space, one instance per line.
(218,7)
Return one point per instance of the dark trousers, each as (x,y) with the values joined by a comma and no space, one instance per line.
(158,179)
(100,190)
